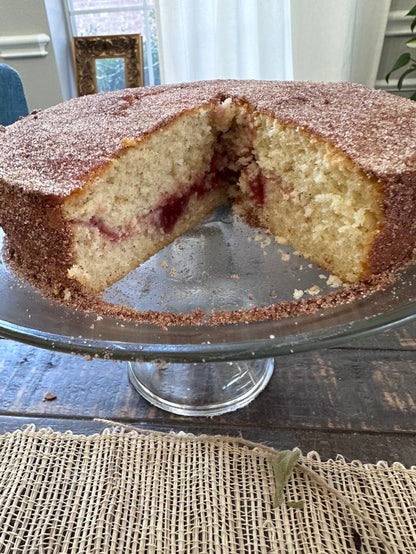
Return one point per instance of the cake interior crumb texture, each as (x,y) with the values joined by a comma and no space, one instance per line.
(156,190)
(295,186)
(316,199)
(280,175)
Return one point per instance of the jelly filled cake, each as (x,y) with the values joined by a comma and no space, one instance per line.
(91,188)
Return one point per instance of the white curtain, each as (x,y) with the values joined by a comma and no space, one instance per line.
(338,40)
(319,40)
(224,39)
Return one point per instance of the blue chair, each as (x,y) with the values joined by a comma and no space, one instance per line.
(12,97)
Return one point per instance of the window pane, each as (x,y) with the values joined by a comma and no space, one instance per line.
(97,4)
(108,23)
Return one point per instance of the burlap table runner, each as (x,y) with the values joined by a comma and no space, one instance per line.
(131,491)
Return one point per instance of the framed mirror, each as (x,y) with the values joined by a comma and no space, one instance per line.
(104,63)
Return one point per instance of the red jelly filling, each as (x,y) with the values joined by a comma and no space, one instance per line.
(167,214)
(217,176)
(111,234)
(258,189)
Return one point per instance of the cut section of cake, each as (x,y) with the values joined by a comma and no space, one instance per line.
(310,195)
(154,191)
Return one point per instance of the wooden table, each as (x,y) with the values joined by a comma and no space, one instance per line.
(357,400)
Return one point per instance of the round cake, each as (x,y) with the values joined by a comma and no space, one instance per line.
(91,188)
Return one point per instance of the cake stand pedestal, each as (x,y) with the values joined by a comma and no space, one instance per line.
(219,266)
(201,389)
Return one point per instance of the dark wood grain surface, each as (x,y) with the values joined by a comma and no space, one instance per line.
(358,400)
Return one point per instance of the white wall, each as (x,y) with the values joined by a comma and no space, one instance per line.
(39,74)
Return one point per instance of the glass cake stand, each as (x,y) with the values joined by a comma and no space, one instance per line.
(221,264)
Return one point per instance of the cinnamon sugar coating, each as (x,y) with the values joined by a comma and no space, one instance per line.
(56,150)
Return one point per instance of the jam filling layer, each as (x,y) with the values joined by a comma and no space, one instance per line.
(257,188)
(165,216)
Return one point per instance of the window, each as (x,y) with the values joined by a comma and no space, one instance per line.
(113,17)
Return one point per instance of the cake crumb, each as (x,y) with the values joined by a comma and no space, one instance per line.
(314,290)
(297,293)
(49,396)
(333,281)
(234,276)
(285,256)
(164,264)
(280,240)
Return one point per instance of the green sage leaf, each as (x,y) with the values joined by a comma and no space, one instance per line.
(403,75)
(283,464)
(401,61)
(411,43)
(412,11)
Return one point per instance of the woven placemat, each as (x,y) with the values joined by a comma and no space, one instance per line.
(132,491)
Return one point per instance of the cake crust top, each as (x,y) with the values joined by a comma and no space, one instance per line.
(58,150)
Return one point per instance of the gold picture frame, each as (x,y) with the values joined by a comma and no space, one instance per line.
(89,50)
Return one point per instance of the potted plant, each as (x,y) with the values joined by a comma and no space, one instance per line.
(405,61)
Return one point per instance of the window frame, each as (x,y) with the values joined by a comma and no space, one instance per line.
(145,7)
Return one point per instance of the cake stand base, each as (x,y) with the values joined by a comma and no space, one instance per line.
(200,389)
